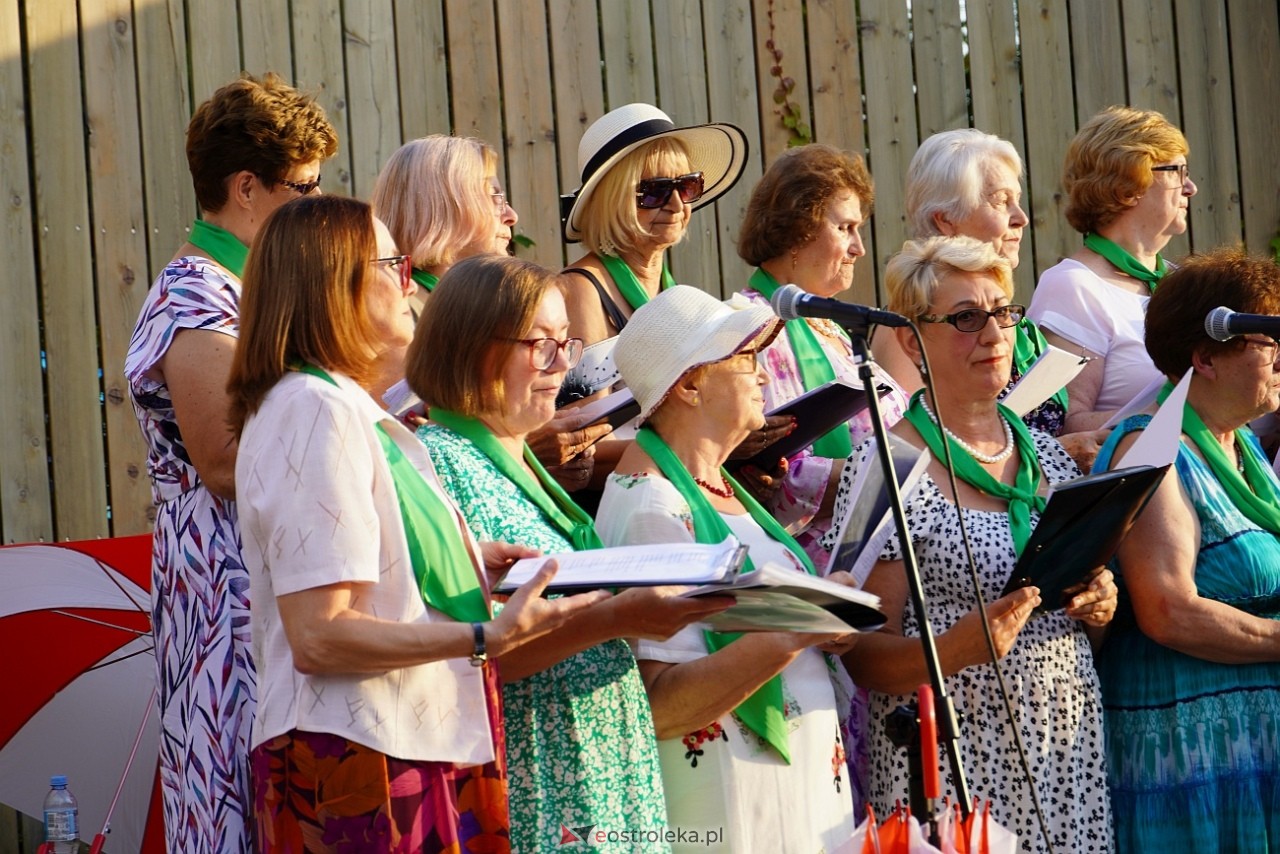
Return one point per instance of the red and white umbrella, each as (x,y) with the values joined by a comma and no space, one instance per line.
(78,677)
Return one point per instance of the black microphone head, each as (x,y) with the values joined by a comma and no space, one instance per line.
(1217,324)
(785,300)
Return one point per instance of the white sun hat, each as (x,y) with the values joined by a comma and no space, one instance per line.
(680,329)
(717,150)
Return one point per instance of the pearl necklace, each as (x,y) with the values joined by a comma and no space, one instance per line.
(969,449)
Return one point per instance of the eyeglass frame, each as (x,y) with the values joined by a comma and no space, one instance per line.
(533,344)
(1183,170)
(664,187)
(1264,341)
(500,202)
(302,188)
(406,269)
(953,318)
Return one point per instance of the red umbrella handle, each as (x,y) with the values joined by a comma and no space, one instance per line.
(928,742)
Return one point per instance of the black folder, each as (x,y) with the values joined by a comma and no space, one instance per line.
(1080,530)
(817,413)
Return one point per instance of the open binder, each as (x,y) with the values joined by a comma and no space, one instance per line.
(817,412)
(1080,530)
(1086,518)
(770,598)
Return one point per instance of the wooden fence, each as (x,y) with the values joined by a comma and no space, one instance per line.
(95,95)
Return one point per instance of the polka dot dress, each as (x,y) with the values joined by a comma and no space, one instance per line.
(1049,673)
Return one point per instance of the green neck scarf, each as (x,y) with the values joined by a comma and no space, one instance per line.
(1253,494)
(1028,345)
(441,563)
(762,711)
(1022,496)
(426,281)
(547,495)
(628,285)
(220,245)
(1120,258)
(815,367)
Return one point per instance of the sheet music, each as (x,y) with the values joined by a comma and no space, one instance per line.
(863,533)
(1140,401)
(1049,373)
(632,566)
(1157,445)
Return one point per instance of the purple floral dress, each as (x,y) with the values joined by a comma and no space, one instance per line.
(199,586)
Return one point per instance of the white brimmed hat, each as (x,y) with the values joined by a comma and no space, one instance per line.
(680,329)
(717,150)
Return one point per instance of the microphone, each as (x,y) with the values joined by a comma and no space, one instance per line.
(792,301)
(1223,324)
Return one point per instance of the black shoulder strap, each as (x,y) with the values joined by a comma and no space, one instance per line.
(611,310)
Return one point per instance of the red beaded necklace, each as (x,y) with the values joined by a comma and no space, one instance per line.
(726,492)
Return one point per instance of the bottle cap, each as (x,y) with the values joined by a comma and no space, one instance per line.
(58,780)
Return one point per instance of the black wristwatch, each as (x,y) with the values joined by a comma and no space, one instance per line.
(478,655)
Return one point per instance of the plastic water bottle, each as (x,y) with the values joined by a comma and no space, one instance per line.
(61,817)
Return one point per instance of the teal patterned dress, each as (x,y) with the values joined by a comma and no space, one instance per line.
(1193,747)
(581,749)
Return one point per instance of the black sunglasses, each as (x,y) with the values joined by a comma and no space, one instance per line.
(304,189)
(654,192)
(975,319)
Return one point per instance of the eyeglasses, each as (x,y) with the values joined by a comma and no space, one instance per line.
(975,319)
(304,189)
(542,351)
(654,192)
(402,264)
(1269,347)
(499,201)
(1180,168)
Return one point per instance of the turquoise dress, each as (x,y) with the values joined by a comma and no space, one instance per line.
(1193,747)
(581,749)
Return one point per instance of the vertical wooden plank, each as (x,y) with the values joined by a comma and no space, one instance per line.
(164,106)
(119,242)
(265,37)
(475,90)
(26,512)
(214,45)
(530,122)
(835,77)
(1046,82)
(579,85)
(1152,69)
(682,94)
(1255,49)
(62,206)
(319,69)
(372,89)
(424,68)
(1150,60)
(1204,68)
(939,63)
(8,815)
(732,97)
(1098,45)
(995,80)
(780,23)
(891,120)
(627,38)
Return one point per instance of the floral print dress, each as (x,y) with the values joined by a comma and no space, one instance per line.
(199,586)
(581,751)
(727,789)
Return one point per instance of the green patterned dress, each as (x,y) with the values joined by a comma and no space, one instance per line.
(580,742)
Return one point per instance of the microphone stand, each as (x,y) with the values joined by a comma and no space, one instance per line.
(948,724)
